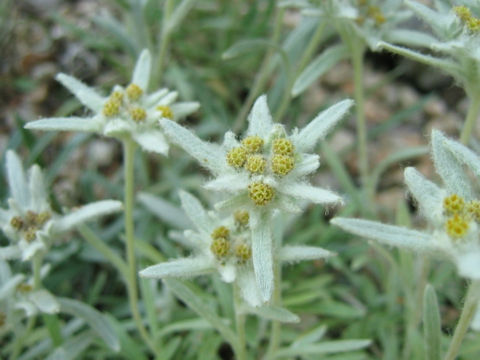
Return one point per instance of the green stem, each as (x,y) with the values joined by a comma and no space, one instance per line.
(468,311)
(36,269)
(357,60)
(128,153)
(20,338)
(472,116)
(275,334)
(306,57)
(165,39)
(263,73)
(240,350)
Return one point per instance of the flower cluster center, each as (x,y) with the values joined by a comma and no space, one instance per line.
(459,215)
(276,158)
(228,244)
(127,103)
(465,15)
(28,225)
(369,11)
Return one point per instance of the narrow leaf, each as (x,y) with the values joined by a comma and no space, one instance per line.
(326,347)
(323,63)
(165,211)
(262,254)
(431,324)
(92,317)
(87,95)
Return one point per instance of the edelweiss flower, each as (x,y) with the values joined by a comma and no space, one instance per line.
(456,33)
(29,222)
(370,20)
(264,172)
(224,246)
(453,212)
(19,299)
(125,112)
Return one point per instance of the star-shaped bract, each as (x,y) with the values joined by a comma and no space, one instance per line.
(264,172)
(29,222)
(453,212)
(126,112)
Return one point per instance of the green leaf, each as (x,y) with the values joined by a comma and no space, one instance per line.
(94,318)
(72,347)
(324,62)
(276,313)
(431,324)
(327,347)
(179,14)
(193,299)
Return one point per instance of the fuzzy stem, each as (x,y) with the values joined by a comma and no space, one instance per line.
(275,334)
(472,116)
(262,75)
(357,60)
(240,350)
(468,311)
(128,153)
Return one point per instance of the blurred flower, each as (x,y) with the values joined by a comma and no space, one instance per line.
(29,222)
(453,212)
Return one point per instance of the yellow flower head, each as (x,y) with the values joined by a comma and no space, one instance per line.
(260,193)
(253,144)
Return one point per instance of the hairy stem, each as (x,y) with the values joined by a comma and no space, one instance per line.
(128,153)
(240,350)
(275,334)
(472,116)
(357,60)
(466,316)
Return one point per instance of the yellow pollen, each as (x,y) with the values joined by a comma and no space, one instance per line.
(241,217)
(24,287)
(220,247)
(134,92)
(260,193)
(282,164)
(236,157)
(453,204)
(138,114)
(220,232)
(117,96)
(473,24)
(16,222)
(43,217)
(111,107)
(255,164)
(31,218)
(463,12)
(253,144)
(166,111)
(456,226)
(30,234)
(376,14)
(243,252)
(473,208)
(283,147)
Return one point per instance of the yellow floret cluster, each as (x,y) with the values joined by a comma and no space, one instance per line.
(138,114)
(456,226)
(370,11)
(255,164)
(252,144)
(282,164)
(243,252)
(166,111)
(111,107)
(220,247)
(241,217)
(453,204)
(260,193)
(220,232)
(236,157)
(30,223)
(134,92)
(464,13)
(473,209)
